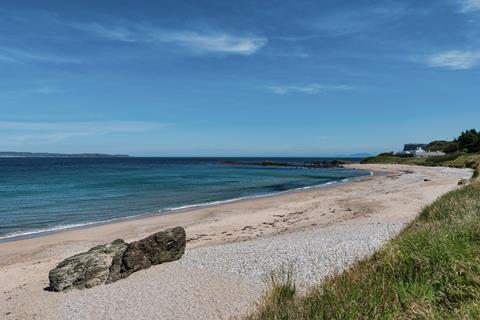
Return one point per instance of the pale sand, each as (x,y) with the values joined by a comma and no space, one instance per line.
(210,282)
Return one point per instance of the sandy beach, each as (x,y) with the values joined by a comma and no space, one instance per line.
(230,248)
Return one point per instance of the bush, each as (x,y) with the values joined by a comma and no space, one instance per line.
(405,155)
(469,140)
(451,147)
(386,154)
(443,146)
(440,160)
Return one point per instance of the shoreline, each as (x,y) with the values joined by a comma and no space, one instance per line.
(225,223)
(177,210)
(230,247)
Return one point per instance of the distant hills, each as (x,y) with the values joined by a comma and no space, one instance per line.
(12,154)
(360,155)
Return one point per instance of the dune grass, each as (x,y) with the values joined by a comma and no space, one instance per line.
(431,270)
(392,159)
(476,172)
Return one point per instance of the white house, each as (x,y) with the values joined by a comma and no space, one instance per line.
(423,154)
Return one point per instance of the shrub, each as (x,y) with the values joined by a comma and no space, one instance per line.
(405,155)
(469,140)
(386,154)
(439,160)
(443,146)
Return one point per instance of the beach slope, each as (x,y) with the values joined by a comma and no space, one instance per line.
(231,247)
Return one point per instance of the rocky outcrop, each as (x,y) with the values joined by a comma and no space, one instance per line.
(309,165)
(117,260)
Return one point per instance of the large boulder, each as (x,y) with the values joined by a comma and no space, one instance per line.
(111,262)
(86,269)
(165,246)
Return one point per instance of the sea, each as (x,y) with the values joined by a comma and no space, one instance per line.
(42,195)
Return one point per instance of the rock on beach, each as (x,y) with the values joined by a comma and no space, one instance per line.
(117,260)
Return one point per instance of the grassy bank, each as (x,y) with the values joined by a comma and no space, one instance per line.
(457,160)
(431,270)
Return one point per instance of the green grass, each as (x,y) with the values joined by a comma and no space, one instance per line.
(458,160)
(431,270)
(468,160)
(391,159)
(476,172)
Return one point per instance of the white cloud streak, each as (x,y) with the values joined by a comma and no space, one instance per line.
(117,33)
(57,131)
(313,88)
(214,42)
(44,90)
(358,20)
(455,60)
(470,5)
(19,55)
(24,92)
(200,41)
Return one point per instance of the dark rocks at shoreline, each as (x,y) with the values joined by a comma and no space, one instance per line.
(117,260)
(313,165)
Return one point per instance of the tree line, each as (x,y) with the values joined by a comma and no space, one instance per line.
(468,141)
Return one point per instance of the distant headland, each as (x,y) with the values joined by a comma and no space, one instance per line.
(13,154)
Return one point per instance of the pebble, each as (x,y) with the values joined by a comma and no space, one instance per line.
(225,281)
(311,255)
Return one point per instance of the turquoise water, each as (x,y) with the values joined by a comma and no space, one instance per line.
(44,194)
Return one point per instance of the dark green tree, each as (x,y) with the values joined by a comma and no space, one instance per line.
(469,141)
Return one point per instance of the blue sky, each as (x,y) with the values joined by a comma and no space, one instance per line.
(244,78)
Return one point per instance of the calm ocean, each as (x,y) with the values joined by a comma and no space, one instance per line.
(46,194)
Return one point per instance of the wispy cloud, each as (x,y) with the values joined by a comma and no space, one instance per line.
(313,88)
(362,18)
(470,5)
(201,41)
(26,91)
(296,38)
(214,42)
(111,32)
(19,55)
(58,131)
(455,60)
(6,58)
(44,90)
